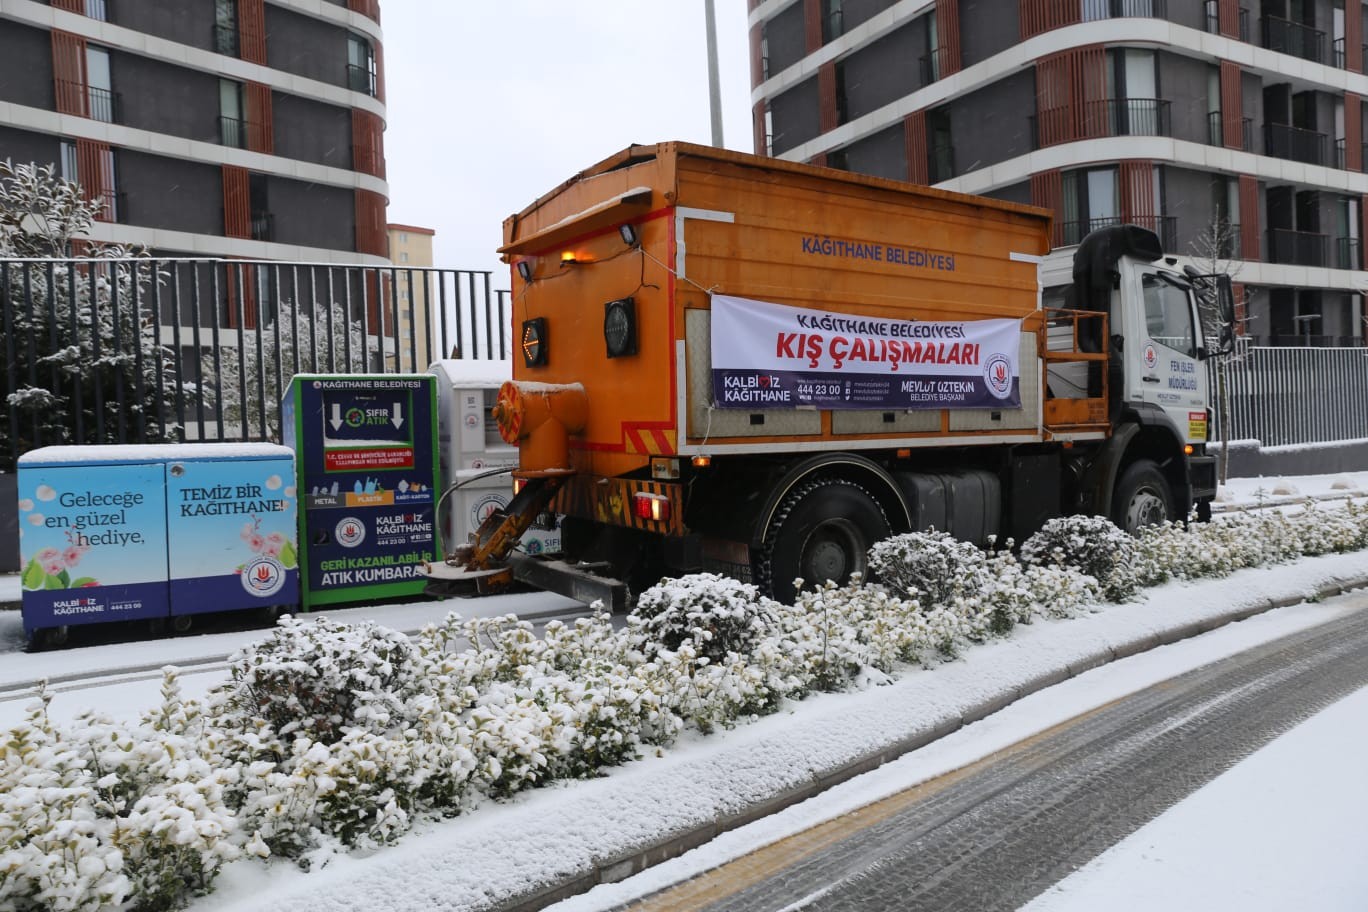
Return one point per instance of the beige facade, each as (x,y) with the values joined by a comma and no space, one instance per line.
(411,247)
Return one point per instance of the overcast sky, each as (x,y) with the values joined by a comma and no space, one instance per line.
(492,104)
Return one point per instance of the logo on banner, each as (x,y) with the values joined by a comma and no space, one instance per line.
(263,577)
(350,532)
(998,374)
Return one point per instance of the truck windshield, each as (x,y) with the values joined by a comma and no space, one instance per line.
(1168,314)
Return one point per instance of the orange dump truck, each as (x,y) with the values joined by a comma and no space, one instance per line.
(746,365)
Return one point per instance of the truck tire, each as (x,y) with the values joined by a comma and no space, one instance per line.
(1142,497)
(822,530)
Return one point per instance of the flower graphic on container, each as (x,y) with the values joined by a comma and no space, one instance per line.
(51,568)
(272,545)
(272,554)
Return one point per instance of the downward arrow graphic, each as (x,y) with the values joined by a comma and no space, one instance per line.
(336,421)
(398,418)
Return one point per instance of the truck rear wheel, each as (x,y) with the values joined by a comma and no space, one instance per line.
(1142,497)
(822,531)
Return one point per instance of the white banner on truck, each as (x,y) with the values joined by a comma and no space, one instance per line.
(772,356)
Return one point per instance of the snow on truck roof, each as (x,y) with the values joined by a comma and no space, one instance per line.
(151,452)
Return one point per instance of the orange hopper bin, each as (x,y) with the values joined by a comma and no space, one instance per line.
(539,418)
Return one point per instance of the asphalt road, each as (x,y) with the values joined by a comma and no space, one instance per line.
(997,833)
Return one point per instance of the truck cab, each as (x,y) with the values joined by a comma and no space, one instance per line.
(1164,324)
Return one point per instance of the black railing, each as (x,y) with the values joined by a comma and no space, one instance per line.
(1124,9)
(1296,248)
(1216,131)
(101,104)
(941,162)
(263,226)
(1293,38)
(226,40)
(97,9)
(1213,20)
(1339,154)
(104,104)
(360,79)
(147,350)
(232,132)
(1294,143)
(1130,116)
(1363,156)
(1108,117)
(1165,226)
(1348,253)
(1337,53)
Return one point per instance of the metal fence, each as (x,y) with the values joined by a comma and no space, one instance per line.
(1283,396)
(147,350)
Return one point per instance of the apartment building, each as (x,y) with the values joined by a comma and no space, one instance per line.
(210,128)
(1234,130)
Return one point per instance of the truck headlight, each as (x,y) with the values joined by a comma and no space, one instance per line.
(619,327)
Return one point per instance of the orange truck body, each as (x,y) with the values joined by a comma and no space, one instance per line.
(711,220)
(668,226)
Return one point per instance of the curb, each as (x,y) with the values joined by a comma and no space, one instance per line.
(624,865)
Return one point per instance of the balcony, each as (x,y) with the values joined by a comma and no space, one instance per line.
(225,40)
(1213,20)
(1296,248)
(101,104)
(1287,37)
(1124,9)
(1109,117)
(1348,253)
(1216,131)
(941,163)
(263,226)
(232,132)
(1337,53)
(1165,226)
(1294,144)
(360,79)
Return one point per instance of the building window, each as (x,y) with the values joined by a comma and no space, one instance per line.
(70,170)
(833,20)
(361,72)
(403,237)
(403,257)
(939,149)
(1089,200)
(232,126)
(97,9)
(226,27)
(263,223)
(99,85)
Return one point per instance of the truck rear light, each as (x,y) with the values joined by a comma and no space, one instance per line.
(651,506)
(534,342)
(619,327)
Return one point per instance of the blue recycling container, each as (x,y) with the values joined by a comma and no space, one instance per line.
(147,532)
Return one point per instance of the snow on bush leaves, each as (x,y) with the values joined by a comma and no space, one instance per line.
(330,736)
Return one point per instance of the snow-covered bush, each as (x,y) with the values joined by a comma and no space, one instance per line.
(103,815)
(715,615)
(1091,544)
(320,679)
(331,736)
(932,567)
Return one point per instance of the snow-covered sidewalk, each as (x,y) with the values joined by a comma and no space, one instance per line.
(569,836)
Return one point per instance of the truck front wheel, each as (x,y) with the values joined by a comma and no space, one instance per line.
(1142,497)
(822,531)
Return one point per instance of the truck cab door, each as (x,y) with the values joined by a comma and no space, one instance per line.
(1164,369)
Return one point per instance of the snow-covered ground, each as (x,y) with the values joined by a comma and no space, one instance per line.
(542,836)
